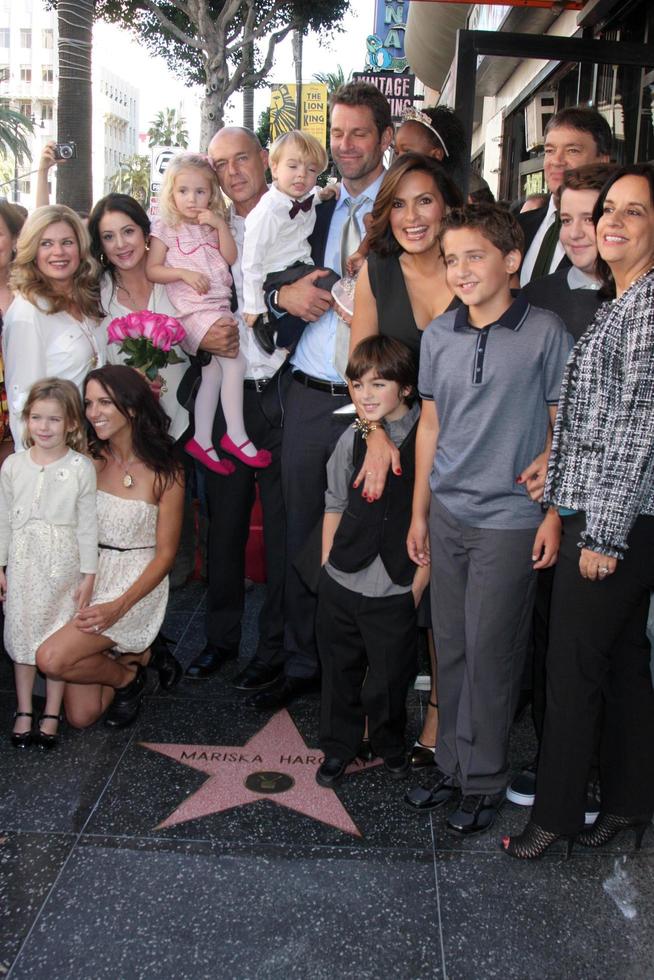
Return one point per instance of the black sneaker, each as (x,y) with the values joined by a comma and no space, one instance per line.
(475,813)
(522,788)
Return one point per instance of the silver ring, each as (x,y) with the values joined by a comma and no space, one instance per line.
(603,570)
(96,628)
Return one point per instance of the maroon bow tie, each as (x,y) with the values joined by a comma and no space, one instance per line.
(298,206)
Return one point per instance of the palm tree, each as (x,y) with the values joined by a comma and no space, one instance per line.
(333,79)
(14,130)
(168,129)
(133,177)
(75,23)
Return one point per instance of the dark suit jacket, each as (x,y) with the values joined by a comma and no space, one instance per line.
(530,222)
(576,307)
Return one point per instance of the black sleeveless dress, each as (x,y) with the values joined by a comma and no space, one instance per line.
(394,314)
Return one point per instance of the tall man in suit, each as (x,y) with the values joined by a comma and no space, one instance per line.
(361,131)
(573,137)
(240,164)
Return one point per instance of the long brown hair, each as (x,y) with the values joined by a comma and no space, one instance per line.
(380,236)
(133,398)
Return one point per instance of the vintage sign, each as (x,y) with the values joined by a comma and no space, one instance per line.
(398,89)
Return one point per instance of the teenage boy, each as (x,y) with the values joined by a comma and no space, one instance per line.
(489,379)
(366,623)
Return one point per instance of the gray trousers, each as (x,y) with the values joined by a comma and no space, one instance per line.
(482,595)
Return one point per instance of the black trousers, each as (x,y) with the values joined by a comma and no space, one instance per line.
(598,685)
(230,500)
(311,432)
(368,651)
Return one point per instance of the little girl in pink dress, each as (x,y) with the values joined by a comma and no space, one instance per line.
(191,250)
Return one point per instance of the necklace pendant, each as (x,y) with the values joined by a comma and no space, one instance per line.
(128,481)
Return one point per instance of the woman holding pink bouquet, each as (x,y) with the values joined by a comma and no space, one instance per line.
(120,233)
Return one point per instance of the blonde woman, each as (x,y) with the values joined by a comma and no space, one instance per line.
(191,250)
(51,328)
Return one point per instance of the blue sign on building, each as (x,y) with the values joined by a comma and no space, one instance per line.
(385,48)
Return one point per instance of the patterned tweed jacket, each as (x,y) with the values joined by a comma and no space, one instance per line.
(602,459)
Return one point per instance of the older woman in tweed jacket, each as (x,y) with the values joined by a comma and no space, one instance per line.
(601,478)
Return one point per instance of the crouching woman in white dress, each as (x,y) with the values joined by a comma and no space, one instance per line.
(103,651)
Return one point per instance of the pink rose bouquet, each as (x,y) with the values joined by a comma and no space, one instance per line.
(147,340)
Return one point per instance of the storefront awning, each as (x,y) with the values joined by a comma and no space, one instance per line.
(430,39)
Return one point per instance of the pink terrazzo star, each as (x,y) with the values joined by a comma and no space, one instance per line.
(275,764)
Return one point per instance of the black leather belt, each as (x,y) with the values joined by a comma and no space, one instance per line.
(333,387)
(255,384)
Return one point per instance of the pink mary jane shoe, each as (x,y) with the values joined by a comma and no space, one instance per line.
(259,461)
(222,466)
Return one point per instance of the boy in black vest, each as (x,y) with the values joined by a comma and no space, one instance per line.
(369,588)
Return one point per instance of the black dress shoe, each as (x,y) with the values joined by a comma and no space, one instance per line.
(331,771)
(256,676)
(422,756)
(397,766)
(264,334)
(442,792)
(126,704)
(210,661)
(284,691)
(475,813)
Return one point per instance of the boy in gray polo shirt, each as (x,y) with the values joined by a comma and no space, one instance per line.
(489,379)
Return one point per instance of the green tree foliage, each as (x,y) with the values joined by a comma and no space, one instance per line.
(333,79)
(168,129)
(207,41)
(263,128)
(133,177)
(14,130)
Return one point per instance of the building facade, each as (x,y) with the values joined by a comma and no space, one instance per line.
(514,96)
(28,83)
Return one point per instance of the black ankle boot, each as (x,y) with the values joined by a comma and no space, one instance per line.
(126,704)
(167,667)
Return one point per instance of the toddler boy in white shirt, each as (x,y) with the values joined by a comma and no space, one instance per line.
(276,249)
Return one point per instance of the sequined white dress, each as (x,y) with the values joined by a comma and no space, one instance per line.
(128,529)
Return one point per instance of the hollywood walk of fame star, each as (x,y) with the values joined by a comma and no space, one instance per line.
(275,764)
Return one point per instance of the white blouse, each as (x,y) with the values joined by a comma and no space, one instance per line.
(173,373)
(37,344)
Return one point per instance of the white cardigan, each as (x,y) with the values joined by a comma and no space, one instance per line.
(61,493)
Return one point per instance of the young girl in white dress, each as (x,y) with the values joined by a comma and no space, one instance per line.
(48,543)
(191,249)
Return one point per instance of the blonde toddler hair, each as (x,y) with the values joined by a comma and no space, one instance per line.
(178,164)
(305,145)
(66,394)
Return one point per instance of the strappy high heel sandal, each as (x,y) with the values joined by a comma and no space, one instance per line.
(43,739)
(166,665)
(608,825)
(532,843)
(21,740)
(422,756)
